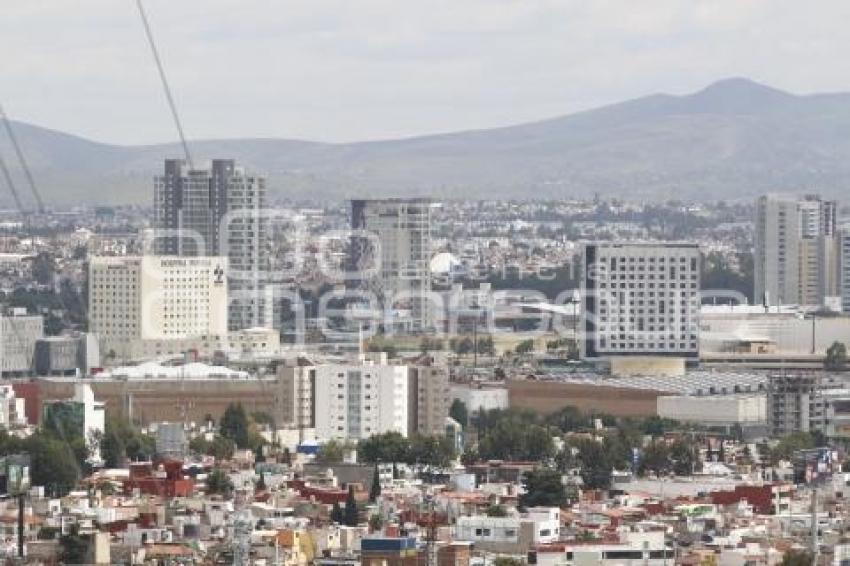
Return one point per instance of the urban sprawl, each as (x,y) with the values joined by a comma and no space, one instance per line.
(221,378)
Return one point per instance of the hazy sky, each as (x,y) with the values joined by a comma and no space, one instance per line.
(339,70)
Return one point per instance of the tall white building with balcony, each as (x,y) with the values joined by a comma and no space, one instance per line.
(393,238)
(796,250)
(356,401)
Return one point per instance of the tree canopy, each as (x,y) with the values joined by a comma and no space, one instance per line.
(543,488)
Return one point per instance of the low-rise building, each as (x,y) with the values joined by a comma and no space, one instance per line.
(511,535)
(19,333)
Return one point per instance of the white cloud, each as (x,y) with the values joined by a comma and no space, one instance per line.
(343,70)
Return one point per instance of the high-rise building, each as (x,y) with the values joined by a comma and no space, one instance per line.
(154,298)
(844,268)
(295,401)
(218,211)
(641,300)
(402,230)
(19,333)
(360,399)
(429,387)
(796,250)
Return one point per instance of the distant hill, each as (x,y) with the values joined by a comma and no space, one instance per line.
(734,139)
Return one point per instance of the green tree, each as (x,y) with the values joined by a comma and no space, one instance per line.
(375,522)
(261,483)
(331,452)
(219,447)
(797,558)
(74,547)
(53,463)
(43,268)
(122,440)
(263,418)
(435,451)
(683,457)
(351,512)
(595,464)
(486,346)
(112,449)
(337,516)
(568,419)
(387,447)
(375,490)
(428,344)
(525,347)
(836,357)
(459,412)
(543,488)
(461,346)
(657,426)
(788,445)
(497,511)
(234,425)
(507,561)
(219,484)
(512,435)
(656,459)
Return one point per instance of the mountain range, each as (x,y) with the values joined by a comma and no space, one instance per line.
(732,140)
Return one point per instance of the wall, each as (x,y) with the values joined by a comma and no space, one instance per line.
(550,396)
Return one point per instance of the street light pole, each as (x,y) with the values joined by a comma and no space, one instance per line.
(814,348)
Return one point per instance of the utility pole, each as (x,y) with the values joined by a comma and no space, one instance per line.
(21,526)
(815,545)
(432,532)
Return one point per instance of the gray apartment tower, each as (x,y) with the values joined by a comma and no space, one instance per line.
(218,210)
(641,300)
(844,267)
(796,259)
(402,232)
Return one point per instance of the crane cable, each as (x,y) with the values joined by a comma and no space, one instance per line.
(165,86)
(22,160)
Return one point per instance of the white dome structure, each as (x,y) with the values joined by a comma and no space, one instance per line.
(445,263)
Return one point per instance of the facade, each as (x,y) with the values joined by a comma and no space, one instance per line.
(295,401)
(844,268)
(480,397)
(219,210)
(80,415)
(400,252)
(715,410)
(156,298)
(18,335)
(808,402)
(151,394)
(357,401)
(12,409)
(634,548)
(511,535)
(171,440)
(430,385)
(747,330)
(796,250)
(71,354)
(641,300)
(384,551)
